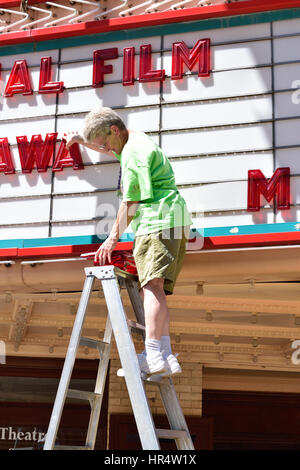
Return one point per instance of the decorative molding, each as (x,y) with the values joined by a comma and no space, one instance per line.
(221,329)
(235,305)
(214,340)
(187,302)
(20,317)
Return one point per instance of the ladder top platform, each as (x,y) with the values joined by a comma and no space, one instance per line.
(123,262)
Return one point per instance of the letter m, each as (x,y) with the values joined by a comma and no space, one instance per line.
(278,185)
(182,55)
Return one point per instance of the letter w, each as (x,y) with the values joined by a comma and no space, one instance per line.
(37,152)
(278,185)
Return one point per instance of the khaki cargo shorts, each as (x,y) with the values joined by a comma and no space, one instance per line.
(160,255)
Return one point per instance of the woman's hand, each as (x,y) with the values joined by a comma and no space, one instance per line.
(73,138)
(105,250)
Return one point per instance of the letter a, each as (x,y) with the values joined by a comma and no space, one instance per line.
(6,164)
(19,81)
(65,157)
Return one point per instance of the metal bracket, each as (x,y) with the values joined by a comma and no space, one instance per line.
(133,8)
(8,27)
(101,272)
(88,13)
(123,4)
(49,15)
(73,13)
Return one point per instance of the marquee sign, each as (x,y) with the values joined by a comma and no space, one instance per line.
(206,101)
(39,154)
(19,78)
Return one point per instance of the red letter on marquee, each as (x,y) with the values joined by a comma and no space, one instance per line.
(181,54)
(146,72)
(279,184)
(128,66)
(19,81)
(99,69)
(65,157)
(37,152)
(6,164)
(46,86)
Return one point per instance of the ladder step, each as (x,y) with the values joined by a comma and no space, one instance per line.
(82,394)
(92,343)
(170,434)
(135,326)
(58,447)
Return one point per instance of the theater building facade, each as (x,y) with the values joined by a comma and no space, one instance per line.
(217,86)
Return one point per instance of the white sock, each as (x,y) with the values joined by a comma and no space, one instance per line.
(166,345)
(152,348)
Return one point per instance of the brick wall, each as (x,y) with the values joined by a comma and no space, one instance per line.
(188,386)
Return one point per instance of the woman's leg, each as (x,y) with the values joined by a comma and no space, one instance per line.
(157,316)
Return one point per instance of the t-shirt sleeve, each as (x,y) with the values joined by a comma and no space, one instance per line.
(137,184)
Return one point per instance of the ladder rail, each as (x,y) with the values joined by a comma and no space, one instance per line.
(99,387)
(68,365)
(174,413)
(166,387)
(125,346)
(136,301)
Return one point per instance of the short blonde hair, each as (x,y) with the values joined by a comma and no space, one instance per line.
(99,121)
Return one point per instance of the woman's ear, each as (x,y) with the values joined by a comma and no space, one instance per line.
(115,130)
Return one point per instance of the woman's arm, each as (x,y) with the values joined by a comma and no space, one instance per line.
(125,215)
(73,138)
(126,210)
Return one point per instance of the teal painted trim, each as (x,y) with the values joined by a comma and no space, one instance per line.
(288,227)
(62,241)
(284,227)
(127,237)
(17,243)
(15,49)
(172,28)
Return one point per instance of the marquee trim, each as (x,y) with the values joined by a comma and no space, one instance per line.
(225,15)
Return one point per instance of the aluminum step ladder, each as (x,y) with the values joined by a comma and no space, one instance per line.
(117,324)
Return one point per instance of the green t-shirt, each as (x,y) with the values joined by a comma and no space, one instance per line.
(147,177)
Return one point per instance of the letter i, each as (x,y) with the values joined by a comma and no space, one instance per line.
(128,65)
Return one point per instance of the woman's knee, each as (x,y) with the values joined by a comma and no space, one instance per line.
(153,284)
